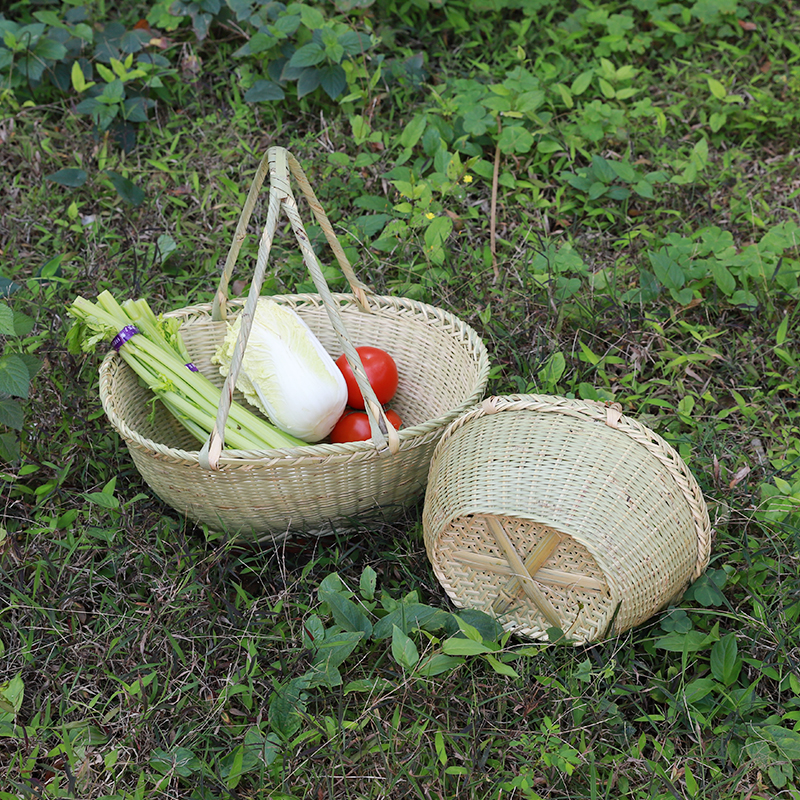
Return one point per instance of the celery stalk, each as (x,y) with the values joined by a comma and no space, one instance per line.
(159,358)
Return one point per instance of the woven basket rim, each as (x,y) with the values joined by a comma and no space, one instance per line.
(610,414)
(412,436)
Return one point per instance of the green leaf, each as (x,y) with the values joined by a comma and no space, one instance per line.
(787,741)
(413,130)
(308,81)
(346,613)
(696,690)
(7,287)
(6,320)
(9,447)
(667,270)
(126,189)
(409,617)
(460,646)
(676,642)
(333,80)
(501,668)
(552,371)
(438,664)
(515,139)
(404,651)
(717,120)
(309,55)
(717,89)
(333,650)
(264,91)
(725,661)
(287,707)
(72,178)
(312,18)
(581,83)
(437,232)
(355,43)
(368,582)
(11,415)
(15,378)
(723,277)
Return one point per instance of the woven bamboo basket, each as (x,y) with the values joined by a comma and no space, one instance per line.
(547,513)
(443,369)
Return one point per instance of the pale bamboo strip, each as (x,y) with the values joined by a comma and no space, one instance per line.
(541,551)
(551,577)
(533,592)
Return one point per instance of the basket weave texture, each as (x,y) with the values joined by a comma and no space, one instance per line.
(443,369)
(549,512)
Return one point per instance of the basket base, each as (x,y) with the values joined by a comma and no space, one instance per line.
(562,585)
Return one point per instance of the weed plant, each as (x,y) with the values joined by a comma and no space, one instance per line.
(606,191)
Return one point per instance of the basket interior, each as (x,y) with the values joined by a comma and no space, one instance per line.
(476,573)
(438,373)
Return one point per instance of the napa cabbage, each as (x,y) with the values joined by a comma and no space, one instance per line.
(286,372)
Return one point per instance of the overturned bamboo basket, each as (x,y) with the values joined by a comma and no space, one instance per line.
(550,513)
(443,369)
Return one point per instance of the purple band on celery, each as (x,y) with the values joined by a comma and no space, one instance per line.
(192,367)
(127,333)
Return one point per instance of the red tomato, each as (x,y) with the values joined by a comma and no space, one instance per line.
(394,418)
(353,426)
(381,373)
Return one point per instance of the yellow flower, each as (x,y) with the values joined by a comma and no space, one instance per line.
(468,179)
(429,215)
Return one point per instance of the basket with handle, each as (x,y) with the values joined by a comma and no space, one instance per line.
(443,369)
(547,512)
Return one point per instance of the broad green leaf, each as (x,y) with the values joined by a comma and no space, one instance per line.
(667,270)
(437,664)
(409,617)
(264,91)
(309,55)
(15,378)
(552,371)
(722,277)
(786,740)
(311,17)
(437,232)
(333,650)
(126,189)
(675,642)
(6,320)
(7,287)
(413,131)
(11,415)
(404,651)
(459,646)
(9,448)
(515,139)
(333,80)
(102,499)
(287,707)
(346,613)
(624,170)
(501,668)
(581,83)
(717,89)
(717,120)
(725,661)
(697,689)
(308,81)
(367,583)
(72,178)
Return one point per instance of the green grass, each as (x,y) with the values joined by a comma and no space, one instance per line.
(143,657)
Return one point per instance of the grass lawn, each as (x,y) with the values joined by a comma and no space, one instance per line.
(608,193)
